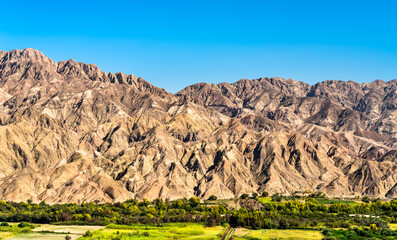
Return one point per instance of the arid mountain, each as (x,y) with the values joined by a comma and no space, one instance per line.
(72,133)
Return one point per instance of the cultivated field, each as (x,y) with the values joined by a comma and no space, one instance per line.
(45,231)
(66,228)
(5,234)
(242,233)
(166,231)
(264,199)
(42,236)
(333,201)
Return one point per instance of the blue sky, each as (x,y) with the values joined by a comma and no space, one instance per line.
(173,44)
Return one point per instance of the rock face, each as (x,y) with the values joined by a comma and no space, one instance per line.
(72,133)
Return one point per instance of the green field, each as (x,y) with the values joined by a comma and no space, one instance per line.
(393,226)
(166,231)
(319,200)
(11,230)
(333,201)
(6,234)
(264,199)
(242,233)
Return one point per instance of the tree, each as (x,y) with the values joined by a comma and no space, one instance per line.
(23,225)
(265,194)
(67,237)
(254,195)
(87,217)
(213,198)
(211,221)
(277,197)
(78,217)
(194,201)
(283,223)
(365,199)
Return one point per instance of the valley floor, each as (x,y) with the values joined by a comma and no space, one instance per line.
(247,218)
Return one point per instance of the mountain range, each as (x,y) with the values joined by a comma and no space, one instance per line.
(70,132)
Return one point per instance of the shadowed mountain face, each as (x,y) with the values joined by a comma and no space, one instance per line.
(72,133)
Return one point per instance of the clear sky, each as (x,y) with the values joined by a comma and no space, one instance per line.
(173,44)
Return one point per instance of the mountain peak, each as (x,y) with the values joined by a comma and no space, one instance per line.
(27,54)
(22,69)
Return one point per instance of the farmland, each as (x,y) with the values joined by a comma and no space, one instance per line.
(42,236)
(158,232)
(44,232)
(247,217)
(242,233)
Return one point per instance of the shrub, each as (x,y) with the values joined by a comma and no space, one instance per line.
(283,223)
(317,195)
(265,194)
(327,232)
(365,199)
(330,238)
(23,225)
(277,197)
(4,224)
(244,196)
(87,234)
(213,198)
(345,225)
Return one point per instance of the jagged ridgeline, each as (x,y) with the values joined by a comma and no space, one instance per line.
(71,133)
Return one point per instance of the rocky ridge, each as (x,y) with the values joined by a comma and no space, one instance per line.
(70,132)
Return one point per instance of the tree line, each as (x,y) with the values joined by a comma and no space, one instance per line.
(298,213)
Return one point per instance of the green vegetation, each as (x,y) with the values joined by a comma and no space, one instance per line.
(45,231)
(365,199)
(6,234)
(8,230)
(393,226)
(264,199)
(159,231)
(129,212)
(67,229)
(244,196)
(334,201)
(192,217)
(213,198)
(359,233)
